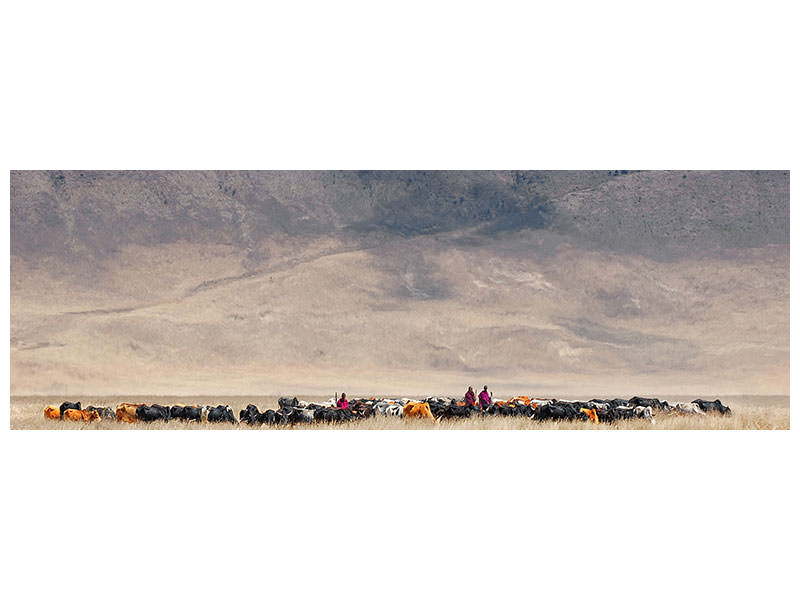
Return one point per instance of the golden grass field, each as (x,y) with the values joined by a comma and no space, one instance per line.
(749,412)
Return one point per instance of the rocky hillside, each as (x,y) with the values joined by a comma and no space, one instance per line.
(258,282)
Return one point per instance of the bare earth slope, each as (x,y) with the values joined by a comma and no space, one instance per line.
(265,283)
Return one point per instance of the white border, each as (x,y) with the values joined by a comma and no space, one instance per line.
(399,514)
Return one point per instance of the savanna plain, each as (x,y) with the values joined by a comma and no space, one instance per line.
(748,412)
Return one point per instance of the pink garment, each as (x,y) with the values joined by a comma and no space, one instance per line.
(342,403)
(485,399)
(469,397)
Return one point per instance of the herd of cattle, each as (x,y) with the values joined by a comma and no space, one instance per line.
(291,411)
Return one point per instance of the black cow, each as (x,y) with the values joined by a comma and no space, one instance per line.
(65,405)
(331,415)
(148,414)
(177,412)
(559,411)
(517,409)
(607,414)
(250,415)
(361,409)
(282,416)
(303,415)
(716,405)
(103,411)
(221,414)
(437,407)
(619,402)
(267,417)
(454,411)
(292,416)
(618,413)
(288,402)
(186,413)
(653,403)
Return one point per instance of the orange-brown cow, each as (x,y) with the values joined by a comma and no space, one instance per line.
(591,413)
(417,410)
(52,412)
(521,400)
(126,412)
(73,414)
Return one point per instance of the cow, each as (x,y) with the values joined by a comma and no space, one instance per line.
(591,413)
(148,414)
(504,408)
(458,411)
(518,409)
(220,414)
(288,402)
(292,415)
(126,412)
(250,415)
(689,408)
(381,406)
(186,413)
(716,405)
(361,409)
(327,414)
(521,400)
(267,417)
(417,410)
(85,416)
(52,412)
(67,405)
(653,403)
(558,411)
(390,409)
(183,412)
(606,414)
(305,415)
(103,411)
(282,416)
(192,413)
(395,410)
(438,407)
(645,412)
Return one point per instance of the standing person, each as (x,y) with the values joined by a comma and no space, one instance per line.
(342,402)
(469,397)
(485,399)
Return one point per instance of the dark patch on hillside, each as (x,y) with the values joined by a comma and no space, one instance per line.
(658,214)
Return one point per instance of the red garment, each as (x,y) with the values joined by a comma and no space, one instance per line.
(469,397)
(342,403)
(485,399)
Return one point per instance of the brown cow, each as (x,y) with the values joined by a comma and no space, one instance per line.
(417,410)
(591,413)
(126,412)
(73,414)
(52,412)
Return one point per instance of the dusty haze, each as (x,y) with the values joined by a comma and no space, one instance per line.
(547,283)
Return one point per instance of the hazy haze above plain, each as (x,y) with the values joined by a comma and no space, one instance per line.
(560,282)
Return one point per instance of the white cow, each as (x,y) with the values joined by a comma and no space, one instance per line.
(394,410)
(645,412)
(689,408)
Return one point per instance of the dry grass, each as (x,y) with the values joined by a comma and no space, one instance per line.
(749,412)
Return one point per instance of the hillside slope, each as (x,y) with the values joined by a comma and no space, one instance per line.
(562,282)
